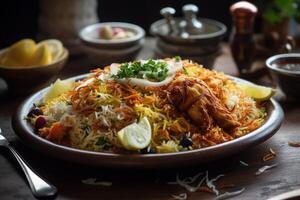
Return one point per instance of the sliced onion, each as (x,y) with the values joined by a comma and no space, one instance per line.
(210,183)
(227,195)
(104,77)
(182,196)
(85,83)
(264,168)
(114,68)
(244,163)
(147,83)
(173,66)
(187,186)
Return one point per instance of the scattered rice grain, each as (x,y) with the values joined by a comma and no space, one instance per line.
(244,163)
(264,168)
(182,196)
(227,195)
(93,181)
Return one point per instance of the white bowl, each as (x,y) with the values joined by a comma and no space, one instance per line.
(89,36)
(98,56)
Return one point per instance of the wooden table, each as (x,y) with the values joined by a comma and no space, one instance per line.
(151,184)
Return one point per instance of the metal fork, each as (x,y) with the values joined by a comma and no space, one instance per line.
(38,186)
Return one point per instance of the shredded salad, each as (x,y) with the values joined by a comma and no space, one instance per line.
(147,106)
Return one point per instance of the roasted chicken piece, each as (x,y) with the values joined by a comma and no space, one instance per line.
(194,97)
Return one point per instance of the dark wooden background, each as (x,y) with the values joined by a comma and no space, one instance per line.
(18,19)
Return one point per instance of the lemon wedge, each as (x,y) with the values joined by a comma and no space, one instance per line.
(42,55)
(55,47)
(136,136)
(57,89)
(20,53)
(257,92)
(6,60)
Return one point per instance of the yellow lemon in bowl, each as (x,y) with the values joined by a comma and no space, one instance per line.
(6,60)
(27,53)
(42,55)
(20,53)
(55,47)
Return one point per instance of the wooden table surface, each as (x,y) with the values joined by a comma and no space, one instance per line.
(151,184)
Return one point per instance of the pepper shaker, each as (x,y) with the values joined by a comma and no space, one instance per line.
(241,39)
(190,25)
(168,14)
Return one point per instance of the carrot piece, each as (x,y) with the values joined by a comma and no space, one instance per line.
(44,132)
(56,132)
(131,96)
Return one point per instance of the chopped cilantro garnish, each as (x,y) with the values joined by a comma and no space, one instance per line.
(185,71)
(86,129)
(177,58)
(101,141)
(152,70)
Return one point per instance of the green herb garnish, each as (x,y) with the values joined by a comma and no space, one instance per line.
(152,70)
(177,58)
(87,129)
(185,71)
(101,141)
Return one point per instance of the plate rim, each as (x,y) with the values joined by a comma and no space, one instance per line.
(24,131)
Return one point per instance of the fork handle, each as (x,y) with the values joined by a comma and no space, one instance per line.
(38,186)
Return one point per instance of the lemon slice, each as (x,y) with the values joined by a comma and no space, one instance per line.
(42,55)
(6,60)
(55,47)
(57,89)
(136,136)
(257,92)
(20,53)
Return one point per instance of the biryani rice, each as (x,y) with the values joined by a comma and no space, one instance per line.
(93,113)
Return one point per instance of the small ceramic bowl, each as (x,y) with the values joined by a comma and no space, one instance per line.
(203,48)
(107,56)
(214,33)
(26,79)
(90,36)
(285,70)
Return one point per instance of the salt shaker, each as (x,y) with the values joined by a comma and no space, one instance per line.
(241,39)
(168,14)
(190,25)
